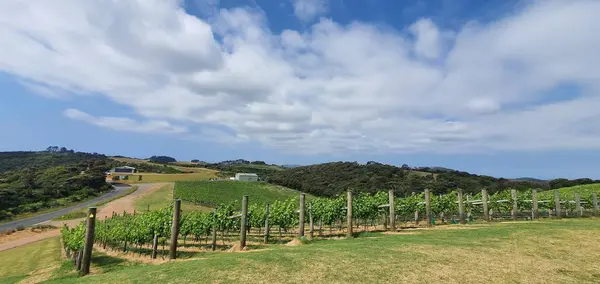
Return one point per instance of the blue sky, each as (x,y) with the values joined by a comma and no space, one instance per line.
(503,88)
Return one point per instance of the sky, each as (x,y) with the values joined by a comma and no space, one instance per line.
(502,88)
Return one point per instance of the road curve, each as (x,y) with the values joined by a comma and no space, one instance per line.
(118,189)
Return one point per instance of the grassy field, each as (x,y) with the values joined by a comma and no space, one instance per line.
(40,259)
(218,192)
(153,177)
(561,251)
(569,192)
(162,198)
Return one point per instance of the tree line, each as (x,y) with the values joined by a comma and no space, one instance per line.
(331,179)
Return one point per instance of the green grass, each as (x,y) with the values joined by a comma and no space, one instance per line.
(219,192)
(152,177)
(35,258)
(585,191)
(163,198)
(563,251)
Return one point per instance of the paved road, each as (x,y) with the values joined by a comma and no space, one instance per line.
(119,189)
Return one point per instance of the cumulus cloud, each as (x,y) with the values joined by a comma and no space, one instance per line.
(329,88)
(125,124)
(307,10)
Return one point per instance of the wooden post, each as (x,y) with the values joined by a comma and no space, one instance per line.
(148,208)
(78,260)
(534,204)
(578,210)
(175,229)
(392,210)
(461,207)
(214,233)
(513,195)
(89,241)
(349,215)
(154,246)
(267,225)
(595,201)
(311,223)
(244,222)
(417,217)
(484,200)
(301,216)
(428,208)
(557,204)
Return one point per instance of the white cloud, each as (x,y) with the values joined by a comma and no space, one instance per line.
(307,10)
(126,124)
(331,88)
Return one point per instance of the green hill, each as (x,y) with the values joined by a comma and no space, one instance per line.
(568,193)
(224,192)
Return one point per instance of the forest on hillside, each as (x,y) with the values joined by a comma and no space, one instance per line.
(33,181)
(331,179)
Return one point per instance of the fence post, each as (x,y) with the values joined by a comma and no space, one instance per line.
(428,207)
(513,195)
(484,202)
(301,221)
(267,224)
(154,246)
(89,241)
(244,222)
(578,210)
(311,223)
(557,204)
(213,245)
(461,207)
(392,210)
(595,201)
(349,216)
(175,230)
(534,204)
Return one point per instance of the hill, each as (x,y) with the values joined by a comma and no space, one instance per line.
(224,192)
(34,181)
(330,179)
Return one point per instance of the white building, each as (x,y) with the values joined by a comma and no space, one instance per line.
(246,177)
(124,169)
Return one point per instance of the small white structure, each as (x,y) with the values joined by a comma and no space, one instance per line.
(246,177)
(124,169)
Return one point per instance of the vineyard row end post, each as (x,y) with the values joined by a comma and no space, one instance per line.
(154,246)
(89,241)
(301,216)
(214,233)
(578,210)
(349,215)
(484,200)
(513,196)
(461,207)
(311,223)
(534,204)
(267,224)
(595,201)
(175,229)
(428,207)
(244,222)
(557,204)
(392,211)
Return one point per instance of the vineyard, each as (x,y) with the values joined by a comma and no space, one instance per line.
(143,233)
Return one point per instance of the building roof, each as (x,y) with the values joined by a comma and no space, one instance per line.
(246,174)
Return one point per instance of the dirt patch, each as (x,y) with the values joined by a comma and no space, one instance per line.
(294,242)
(237,248)
(25,237)
(125,204)
(40,275)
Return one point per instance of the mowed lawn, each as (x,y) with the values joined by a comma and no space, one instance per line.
(37,260)
(562,251)
(225,192)
(153,177)
(162,198)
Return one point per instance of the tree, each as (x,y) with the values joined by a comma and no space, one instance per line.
(162,159)
(195,161)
